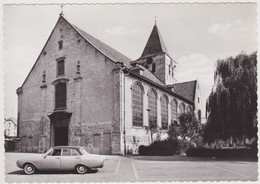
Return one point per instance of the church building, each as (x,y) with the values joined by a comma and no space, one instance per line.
(82,92)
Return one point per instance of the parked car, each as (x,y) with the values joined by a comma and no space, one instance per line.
(62,158)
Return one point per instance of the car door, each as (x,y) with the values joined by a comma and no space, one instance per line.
(52,160)
(69,158)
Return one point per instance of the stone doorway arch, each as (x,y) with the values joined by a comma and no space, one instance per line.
(60,128)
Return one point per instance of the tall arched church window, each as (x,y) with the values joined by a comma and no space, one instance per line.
(189,109)
(182,108)
(164,112)
(137,104)
(60,95)
(152,105)
(174,106)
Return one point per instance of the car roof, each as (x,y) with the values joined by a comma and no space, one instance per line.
(72,147)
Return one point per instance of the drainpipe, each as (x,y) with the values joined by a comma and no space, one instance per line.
(124,131)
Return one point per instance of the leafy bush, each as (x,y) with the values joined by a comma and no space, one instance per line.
(160,148)
(188,131)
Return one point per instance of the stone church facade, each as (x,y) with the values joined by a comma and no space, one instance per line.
(82,92)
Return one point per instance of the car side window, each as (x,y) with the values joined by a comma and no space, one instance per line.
(66,152)
(56,152)
(74,152)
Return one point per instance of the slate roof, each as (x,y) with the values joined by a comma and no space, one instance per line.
(186,89)
(104,48)
(154,44)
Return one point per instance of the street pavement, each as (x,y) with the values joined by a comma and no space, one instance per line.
(142,169)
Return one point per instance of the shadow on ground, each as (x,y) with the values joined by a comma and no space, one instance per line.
(185,158)
(20,172)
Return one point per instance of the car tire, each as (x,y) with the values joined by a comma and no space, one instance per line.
(82,169)
(29,169)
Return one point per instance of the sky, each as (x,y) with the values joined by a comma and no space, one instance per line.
(196,36)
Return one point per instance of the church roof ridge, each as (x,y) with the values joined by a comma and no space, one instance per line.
(184,82)
(161,86)
(105,49)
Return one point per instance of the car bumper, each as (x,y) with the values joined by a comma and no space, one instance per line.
(19,164)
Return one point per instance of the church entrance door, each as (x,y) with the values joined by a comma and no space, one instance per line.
(60,128)
(61,132)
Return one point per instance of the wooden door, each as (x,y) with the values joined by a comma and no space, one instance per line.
(106,149)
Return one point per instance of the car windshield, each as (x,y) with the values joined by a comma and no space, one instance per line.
(83,151)
(48,152)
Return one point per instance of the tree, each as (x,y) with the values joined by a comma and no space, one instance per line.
(188,130)
(232,105)
(152,129)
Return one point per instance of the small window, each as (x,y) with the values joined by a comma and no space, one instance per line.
(149,60)
(60,45)
(198,100)
(60,67)
(199,115)
(66,152)
(153,67)
(56,152)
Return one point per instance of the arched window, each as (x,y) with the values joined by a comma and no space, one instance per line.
(174,106)
(199,114)
(189,109)
(60,95)
(182,108)
(137,105)
(164,112)
(152,105)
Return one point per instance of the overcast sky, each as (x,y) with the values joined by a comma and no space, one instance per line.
(196,35)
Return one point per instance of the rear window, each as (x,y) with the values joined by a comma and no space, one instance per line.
(83,151)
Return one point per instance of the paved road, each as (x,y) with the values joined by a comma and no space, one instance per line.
(140,168)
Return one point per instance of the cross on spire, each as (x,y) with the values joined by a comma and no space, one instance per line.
(61,7)
(155,17)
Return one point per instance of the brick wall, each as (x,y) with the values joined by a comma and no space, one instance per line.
(90,99)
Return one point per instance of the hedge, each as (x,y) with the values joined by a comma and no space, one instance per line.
(159,148)
(222,153)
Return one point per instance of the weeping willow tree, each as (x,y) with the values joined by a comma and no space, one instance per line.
(232,104)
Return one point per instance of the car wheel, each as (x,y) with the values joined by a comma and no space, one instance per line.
(29,169)
(81,169)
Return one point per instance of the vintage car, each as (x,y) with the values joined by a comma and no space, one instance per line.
(62,158)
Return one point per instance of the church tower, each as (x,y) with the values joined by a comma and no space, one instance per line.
(156,58)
